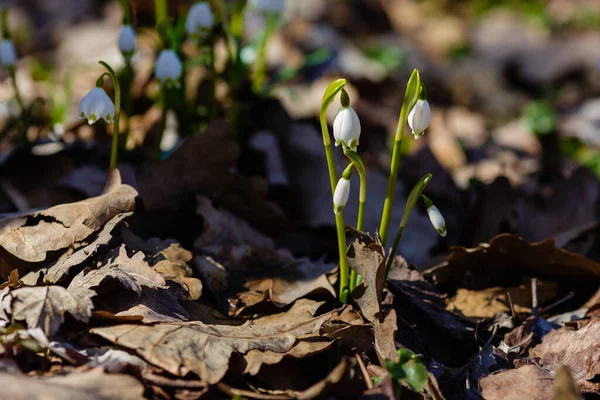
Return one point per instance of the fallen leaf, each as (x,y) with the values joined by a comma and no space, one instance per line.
(13,280)
(203,349)
(524,383)
(114,361)
(565,387)
(45,306)
(384,331)
(93,384)
(31,237)
(366,257)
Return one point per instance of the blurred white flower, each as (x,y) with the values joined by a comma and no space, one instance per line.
(340,195)
(200,19)
(97,105)
(437,220)
(273,6)
(8,55)
(346,127)
(168,68)
(127,41)
(419,118)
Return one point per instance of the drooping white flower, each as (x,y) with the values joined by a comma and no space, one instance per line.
(419,118)
(271,6)
(127,41)
(437,220)
(8,55)
(340,195)
(200,19)
(346,127)
(168,68)
(97,105)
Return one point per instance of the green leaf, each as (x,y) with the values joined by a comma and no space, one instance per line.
(413,88)
(356,160)
(330,94)
(540,118)
(413,197)
(415,375)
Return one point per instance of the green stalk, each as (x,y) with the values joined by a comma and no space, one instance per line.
(260,68)
(413,197)
(160,11)
(115,139)
(328,97)
(212,114)
(410,98)
(163,122)
(357,163)
(13,76)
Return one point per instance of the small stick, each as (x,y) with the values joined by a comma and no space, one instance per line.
(512,306)
(558,302)
(534,299)
(364,371)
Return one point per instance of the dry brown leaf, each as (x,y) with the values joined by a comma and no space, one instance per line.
(578,349)
(565,387)
(90,385)
(525,383)
(366,257)
(13,280)
(31,237)
(45,306)
(384,332)
(203,349)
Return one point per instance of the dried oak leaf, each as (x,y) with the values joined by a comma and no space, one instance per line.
(524,383)
(507,258)
(93,384)
(45,306)
(205,350)
(367,257)
(30,237)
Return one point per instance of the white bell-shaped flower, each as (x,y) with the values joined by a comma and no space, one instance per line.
(346,127)
(340,195)
(97,105)
(437,220)
(168,68)
(268,6)
(127,41)
(419,118)
(8,55)
(200,19)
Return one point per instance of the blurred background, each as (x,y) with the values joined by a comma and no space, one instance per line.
(513,145)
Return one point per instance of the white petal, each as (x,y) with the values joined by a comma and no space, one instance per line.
(168,66)
(8,55)
(127,39)
(340,195)
(274,6)
(346,127)
(200,17)
(437,220)
(419,118)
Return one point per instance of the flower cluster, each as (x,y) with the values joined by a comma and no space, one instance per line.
(97,105)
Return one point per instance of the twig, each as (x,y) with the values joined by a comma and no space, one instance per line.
(534,298)
(512,306)
(558,302)
(178,383)
(364,371)
(524,341)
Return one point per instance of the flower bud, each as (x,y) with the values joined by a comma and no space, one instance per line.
(168,68)
(346,127)
(340,195)
(199,19)
(419,118)
(8,55)
(97,105)
(127,41)
(268,6)
(437,220)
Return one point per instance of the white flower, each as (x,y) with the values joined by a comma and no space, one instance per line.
(168,68)
(127,41)
(419,118)
(273,6)
(340,195)
(200,18)
(346,127)
(8,55)
(96,105)
(437,220)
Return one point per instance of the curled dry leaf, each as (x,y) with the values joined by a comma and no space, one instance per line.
(31,237)
(93,384)
(205,350)
(366,256)
(525,383)
(45,306)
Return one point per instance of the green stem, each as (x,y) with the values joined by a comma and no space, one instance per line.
(410,99)
(115,139)
(126,12)
(212,114)
(260,68)
(163,123)
(13,76)
(392,255)
(160,11)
